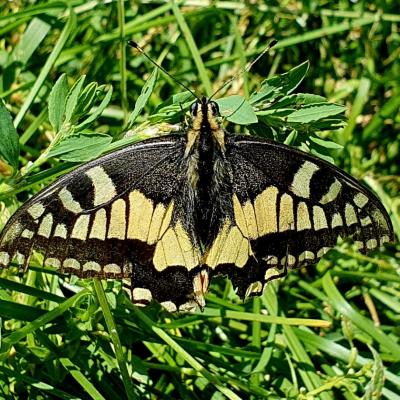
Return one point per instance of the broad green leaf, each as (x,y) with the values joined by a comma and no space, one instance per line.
(264,91)
(287,82)
(237,110)
(9,145)
(147,90)
(326,143)
(298,99)
(325,157)
(72,98)
(97,112)
(81,148)
(57,101)
(315,112)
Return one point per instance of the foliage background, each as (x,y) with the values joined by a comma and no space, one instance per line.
(329,332)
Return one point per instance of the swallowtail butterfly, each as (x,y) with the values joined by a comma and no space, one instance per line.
(169,214)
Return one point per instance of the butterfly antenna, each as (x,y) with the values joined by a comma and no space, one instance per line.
(271,44)
(137,47)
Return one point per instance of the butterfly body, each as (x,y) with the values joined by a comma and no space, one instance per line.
(170,213)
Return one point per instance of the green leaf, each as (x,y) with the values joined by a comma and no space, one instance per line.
(264,91)
(31,40)
(86,99)
(97,112)
(147,90)
(237,110)
(326,143)
(9,145)
(287,82)
(315,112)
(57,102)
(81,148)
(72,98)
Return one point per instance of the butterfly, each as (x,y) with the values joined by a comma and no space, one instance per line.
(170,213)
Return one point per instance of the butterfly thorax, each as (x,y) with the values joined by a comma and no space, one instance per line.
(205,149)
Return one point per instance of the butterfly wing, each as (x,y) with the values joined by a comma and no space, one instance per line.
(123,215)
(287,209)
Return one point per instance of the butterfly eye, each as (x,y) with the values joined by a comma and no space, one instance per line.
(214,108)
(193,109)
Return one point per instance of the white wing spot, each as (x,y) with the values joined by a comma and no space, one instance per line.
(71,263)
(36,210)
(104,189)
(46,225)
(68,202)
(27,234)
(302,179)
(332,192)
(350,215)
(61,231)
(169,306)
(319,218)
(360,200)
(112,269)
(91,266)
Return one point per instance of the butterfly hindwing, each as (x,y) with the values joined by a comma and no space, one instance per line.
(288,209)
(123,215)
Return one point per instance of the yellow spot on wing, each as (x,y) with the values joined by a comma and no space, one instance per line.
(240,220)
(81,226)
(28,234)
(360,200)
(319,218)
(332,193)
(140,294)
(265,210)
(336,220)
(99,227)
(190,252)
(104,189)
(372,244)
(159,260)
(36,210)
(46,225)
(156,222)
(250,217)
(231,247)
(71,263)
(61,231)
(140,213)
(286,217)
(302,179)
(306,255)
(212,255)
(68,202)
(303,217)
(172,250)
(243,254)
(117,225)
(112,269)
(167,219)
(92,266)
(350,215)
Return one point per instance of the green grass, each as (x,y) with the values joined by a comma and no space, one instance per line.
(328,332)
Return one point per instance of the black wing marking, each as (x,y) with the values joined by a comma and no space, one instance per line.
(124,215)
(288,209)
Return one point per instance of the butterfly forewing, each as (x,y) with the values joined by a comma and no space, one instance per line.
(121,216)
(288,209)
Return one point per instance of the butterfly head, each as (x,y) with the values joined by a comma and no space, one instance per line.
(204,107)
